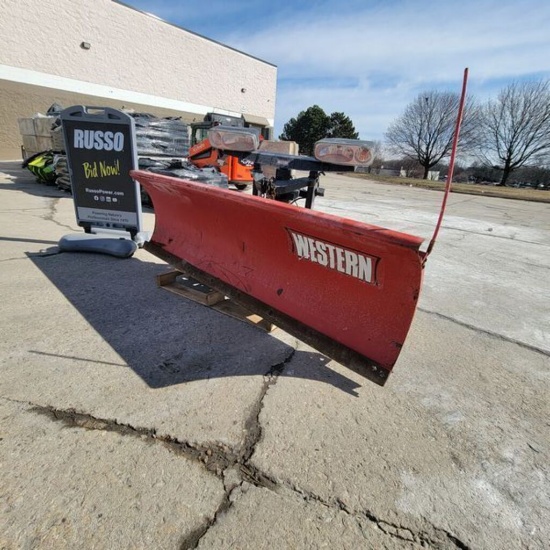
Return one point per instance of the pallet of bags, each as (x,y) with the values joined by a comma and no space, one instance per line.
(58,142)
(36,134)
(161,136)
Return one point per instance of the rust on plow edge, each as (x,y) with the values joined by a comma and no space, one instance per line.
(342,354)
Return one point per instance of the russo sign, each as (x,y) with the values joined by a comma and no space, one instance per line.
(100,144)
(98,140)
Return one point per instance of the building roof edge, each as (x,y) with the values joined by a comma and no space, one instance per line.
(191,32)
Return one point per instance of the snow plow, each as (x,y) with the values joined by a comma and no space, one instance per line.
(346,288)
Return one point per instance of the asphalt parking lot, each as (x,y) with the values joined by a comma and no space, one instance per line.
(134,418)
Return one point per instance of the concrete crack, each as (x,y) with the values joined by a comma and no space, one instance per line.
(14,259)
(239,473)
(429,537)
(234,469)
(252,425)
(230,465)
(50,216)
(192,539)
(215,457)
(496,335)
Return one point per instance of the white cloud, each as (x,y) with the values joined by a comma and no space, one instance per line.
(395,50)
(369,59)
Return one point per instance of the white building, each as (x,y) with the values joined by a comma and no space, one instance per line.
(104,53)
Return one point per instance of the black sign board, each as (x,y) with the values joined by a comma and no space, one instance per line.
(100,145)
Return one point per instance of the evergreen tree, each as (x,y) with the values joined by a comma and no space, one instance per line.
(314,124)
(341,126)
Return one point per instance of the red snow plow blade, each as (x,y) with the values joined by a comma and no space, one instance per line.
(346,288)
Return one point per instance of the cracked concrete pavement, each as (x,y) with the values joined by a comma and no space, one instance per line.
(133,418)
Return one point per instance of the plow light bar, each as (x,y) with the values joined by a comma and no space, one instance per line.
(233,139)
(347,152)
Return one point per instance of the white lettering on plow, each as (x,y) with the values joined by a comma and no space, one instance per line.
(334,257)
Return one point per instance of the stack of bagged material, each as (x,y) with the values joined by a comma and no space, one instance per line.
(58,142)
(208,175)
(36,134)
(63,180)
(181,169)
(41,133)
(161,136)
(155,137)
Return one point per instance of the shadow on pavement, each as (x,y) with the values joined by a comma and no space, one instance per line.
(167,339)
(20,179)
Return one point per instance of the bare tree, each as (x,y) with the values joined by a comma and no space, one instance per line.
(516,126)
(424,132)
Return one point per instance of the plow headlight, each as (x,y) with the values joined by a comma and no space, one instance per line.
(233,139)
(347,152)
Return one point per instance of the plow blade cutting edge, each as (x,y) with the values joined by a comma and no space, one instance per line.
(346,288)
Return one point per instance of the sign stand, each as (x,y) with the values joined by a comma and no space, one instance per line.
(100,145)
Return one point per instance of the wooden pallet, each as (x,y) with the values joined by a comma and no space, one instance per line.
(179,283)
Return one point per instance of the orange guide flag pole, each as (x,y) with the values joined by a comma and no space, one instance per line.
(451,163)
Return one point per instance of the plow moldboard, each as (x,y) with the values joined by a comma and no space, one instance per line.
(346,288)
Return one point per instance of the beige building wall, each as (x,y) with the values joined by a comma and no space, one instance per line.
(22,101)
(134,60)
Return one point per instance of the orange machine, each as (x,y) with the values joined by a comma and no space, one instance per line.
(202,154)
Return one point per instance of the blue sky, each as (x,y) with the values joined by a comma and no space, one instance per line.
(370,58)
